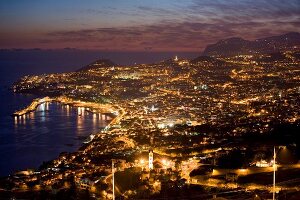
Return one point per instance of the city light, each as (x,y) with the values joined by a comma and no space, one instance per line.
(142,161)
(223,123)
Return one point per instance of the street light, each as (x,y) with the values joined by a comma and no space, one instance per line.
(274,170)
(113,177)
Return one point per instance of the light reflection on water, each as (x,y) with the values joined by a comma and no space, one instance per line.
(42,135)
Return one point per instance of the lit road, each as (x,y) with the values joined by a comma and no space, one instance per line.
(212,182)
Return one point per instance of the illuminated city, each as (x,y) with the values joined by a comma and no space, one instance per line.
(221,125)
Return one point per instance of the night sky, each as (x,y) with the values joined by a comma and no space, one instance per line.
(141,25)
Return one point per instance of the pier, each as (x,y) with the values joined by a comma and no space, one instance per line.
(32,107)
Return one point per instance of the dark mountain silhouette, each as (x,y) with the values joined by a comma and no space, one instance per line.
(98,64)
(236,45)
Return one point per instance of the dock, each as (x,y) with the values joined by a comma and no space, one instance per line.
(32,107)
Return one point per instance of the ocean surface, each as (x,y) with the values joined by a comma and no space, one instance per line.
(53,128)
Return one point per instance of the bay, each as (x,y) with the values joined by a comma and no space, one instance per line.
(44,134)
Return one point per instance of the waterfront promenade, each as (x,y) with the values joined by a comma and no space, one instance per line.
(88,106)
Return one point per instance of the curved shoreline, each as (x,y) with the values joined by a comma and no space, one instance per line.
(94,108)
(90,107)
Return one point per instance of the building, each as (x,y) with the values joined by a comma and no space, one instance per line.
(150,160)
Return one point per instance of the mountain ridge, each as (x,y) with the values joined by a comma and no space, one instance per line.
(97,64)
(237,45)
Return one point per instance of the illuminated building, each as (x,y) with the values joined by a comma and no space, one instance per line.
(150,159)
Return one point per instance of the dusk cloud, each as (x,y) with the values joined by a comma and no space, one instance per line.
(185,36)
(161,26)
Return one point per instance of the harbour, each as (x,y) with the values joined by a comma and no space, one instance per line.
(48,127)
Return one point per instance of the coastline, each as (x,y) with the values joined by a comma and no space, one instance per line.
(93,108)
(90,106)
